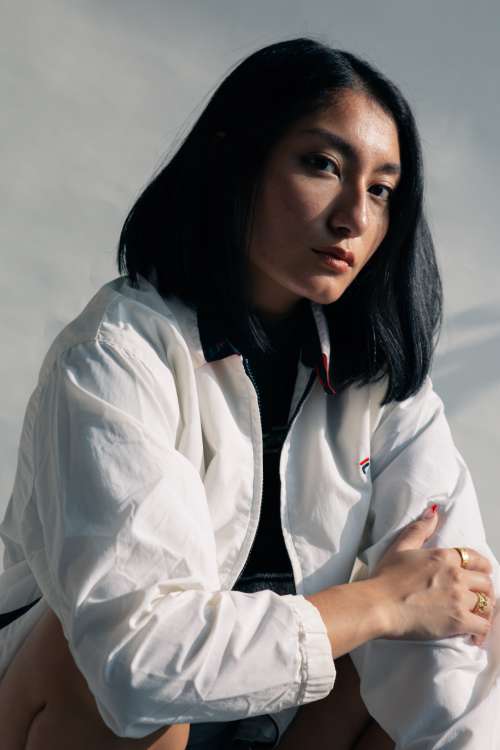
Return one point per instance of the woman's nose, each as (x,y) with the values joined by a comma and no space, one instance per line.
(349,212)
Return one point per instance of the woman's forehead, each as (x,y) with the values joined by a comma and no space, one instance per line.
(353,123)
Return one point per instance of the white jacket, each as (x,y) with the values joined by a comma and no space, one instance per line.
(136,501)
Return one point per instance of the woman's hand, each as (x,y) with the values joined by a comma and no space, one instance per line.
(414,593)
(427,593)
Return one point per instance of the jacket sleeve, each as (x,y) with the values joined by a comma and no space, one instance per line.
(427,695)
(128,559)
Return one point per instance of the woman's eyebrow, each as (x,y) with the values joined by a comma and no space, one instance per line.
(348,151)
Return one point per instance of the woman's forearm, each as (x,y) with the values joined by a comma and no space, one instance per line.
(352,613)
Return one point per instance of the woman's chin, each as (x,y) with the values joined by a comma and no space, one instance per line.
(326,296)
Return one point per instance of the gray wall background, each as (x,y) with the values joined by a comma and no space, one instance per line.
(94,93)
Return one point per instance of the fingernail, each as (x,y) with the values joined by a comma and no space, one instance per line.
(430,511)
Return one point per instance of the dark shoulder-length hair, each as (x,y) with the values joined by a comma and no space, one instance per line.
(190,227)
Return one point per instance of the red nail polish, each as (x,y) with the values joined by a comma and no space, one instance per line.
(430,511)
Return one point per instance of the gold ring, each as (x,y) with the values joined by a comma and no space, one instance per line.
(481,604)
(464,556)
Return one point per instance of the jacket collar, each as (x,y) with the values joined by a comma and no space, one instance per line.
(207,338)
(315,349)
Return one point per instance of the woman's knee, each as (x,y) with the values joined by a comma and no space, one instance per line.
(57,728)
(44,698)
(20,700)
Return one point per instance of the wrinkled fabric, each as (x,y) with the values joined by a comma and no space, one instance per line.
(136,502)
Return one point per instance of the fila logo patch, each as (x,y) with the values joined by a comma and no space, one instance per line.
(365,464)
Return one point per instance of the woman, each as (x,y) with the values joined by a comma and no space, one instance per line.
(224,430)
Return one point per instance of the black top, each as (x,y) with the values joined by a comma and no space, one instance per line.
(273,374)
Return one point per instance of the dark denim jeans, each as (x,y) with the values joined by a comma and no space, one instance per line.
(258,731)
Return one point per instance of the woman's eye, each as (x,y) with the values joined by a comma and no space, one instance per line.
(381,191)
(321,163)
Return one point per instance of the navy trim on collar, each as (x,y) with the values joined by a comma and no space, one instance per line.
(213,335)
(216,344)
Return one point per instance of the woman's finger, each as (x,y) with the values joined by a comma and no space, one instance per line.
(415,533)
(476,561)
(479,582)
(475,600)
(476,625)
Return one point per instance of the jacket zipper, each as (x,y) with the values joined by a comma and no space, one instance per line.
(307,390)
(246,365)
(309,383)
(248,371)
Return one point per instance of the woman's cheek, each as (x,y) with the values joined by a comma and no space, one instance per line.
(379,224)
(383,227)
(303,199)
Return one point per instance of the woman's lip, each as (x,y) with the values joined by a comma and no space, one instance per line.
(337,265)
(336,252)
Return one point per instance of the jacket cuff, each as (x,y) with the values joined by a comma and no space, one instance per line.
(317,668)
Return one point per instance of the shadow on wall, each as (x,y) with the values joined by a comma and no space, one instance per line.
(468,360)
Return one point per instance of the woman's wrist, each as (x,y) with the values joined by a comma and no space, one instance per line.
(353,613)
(381,608)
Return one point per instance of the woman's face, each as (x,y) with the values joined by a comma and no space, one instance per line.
(323,205)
